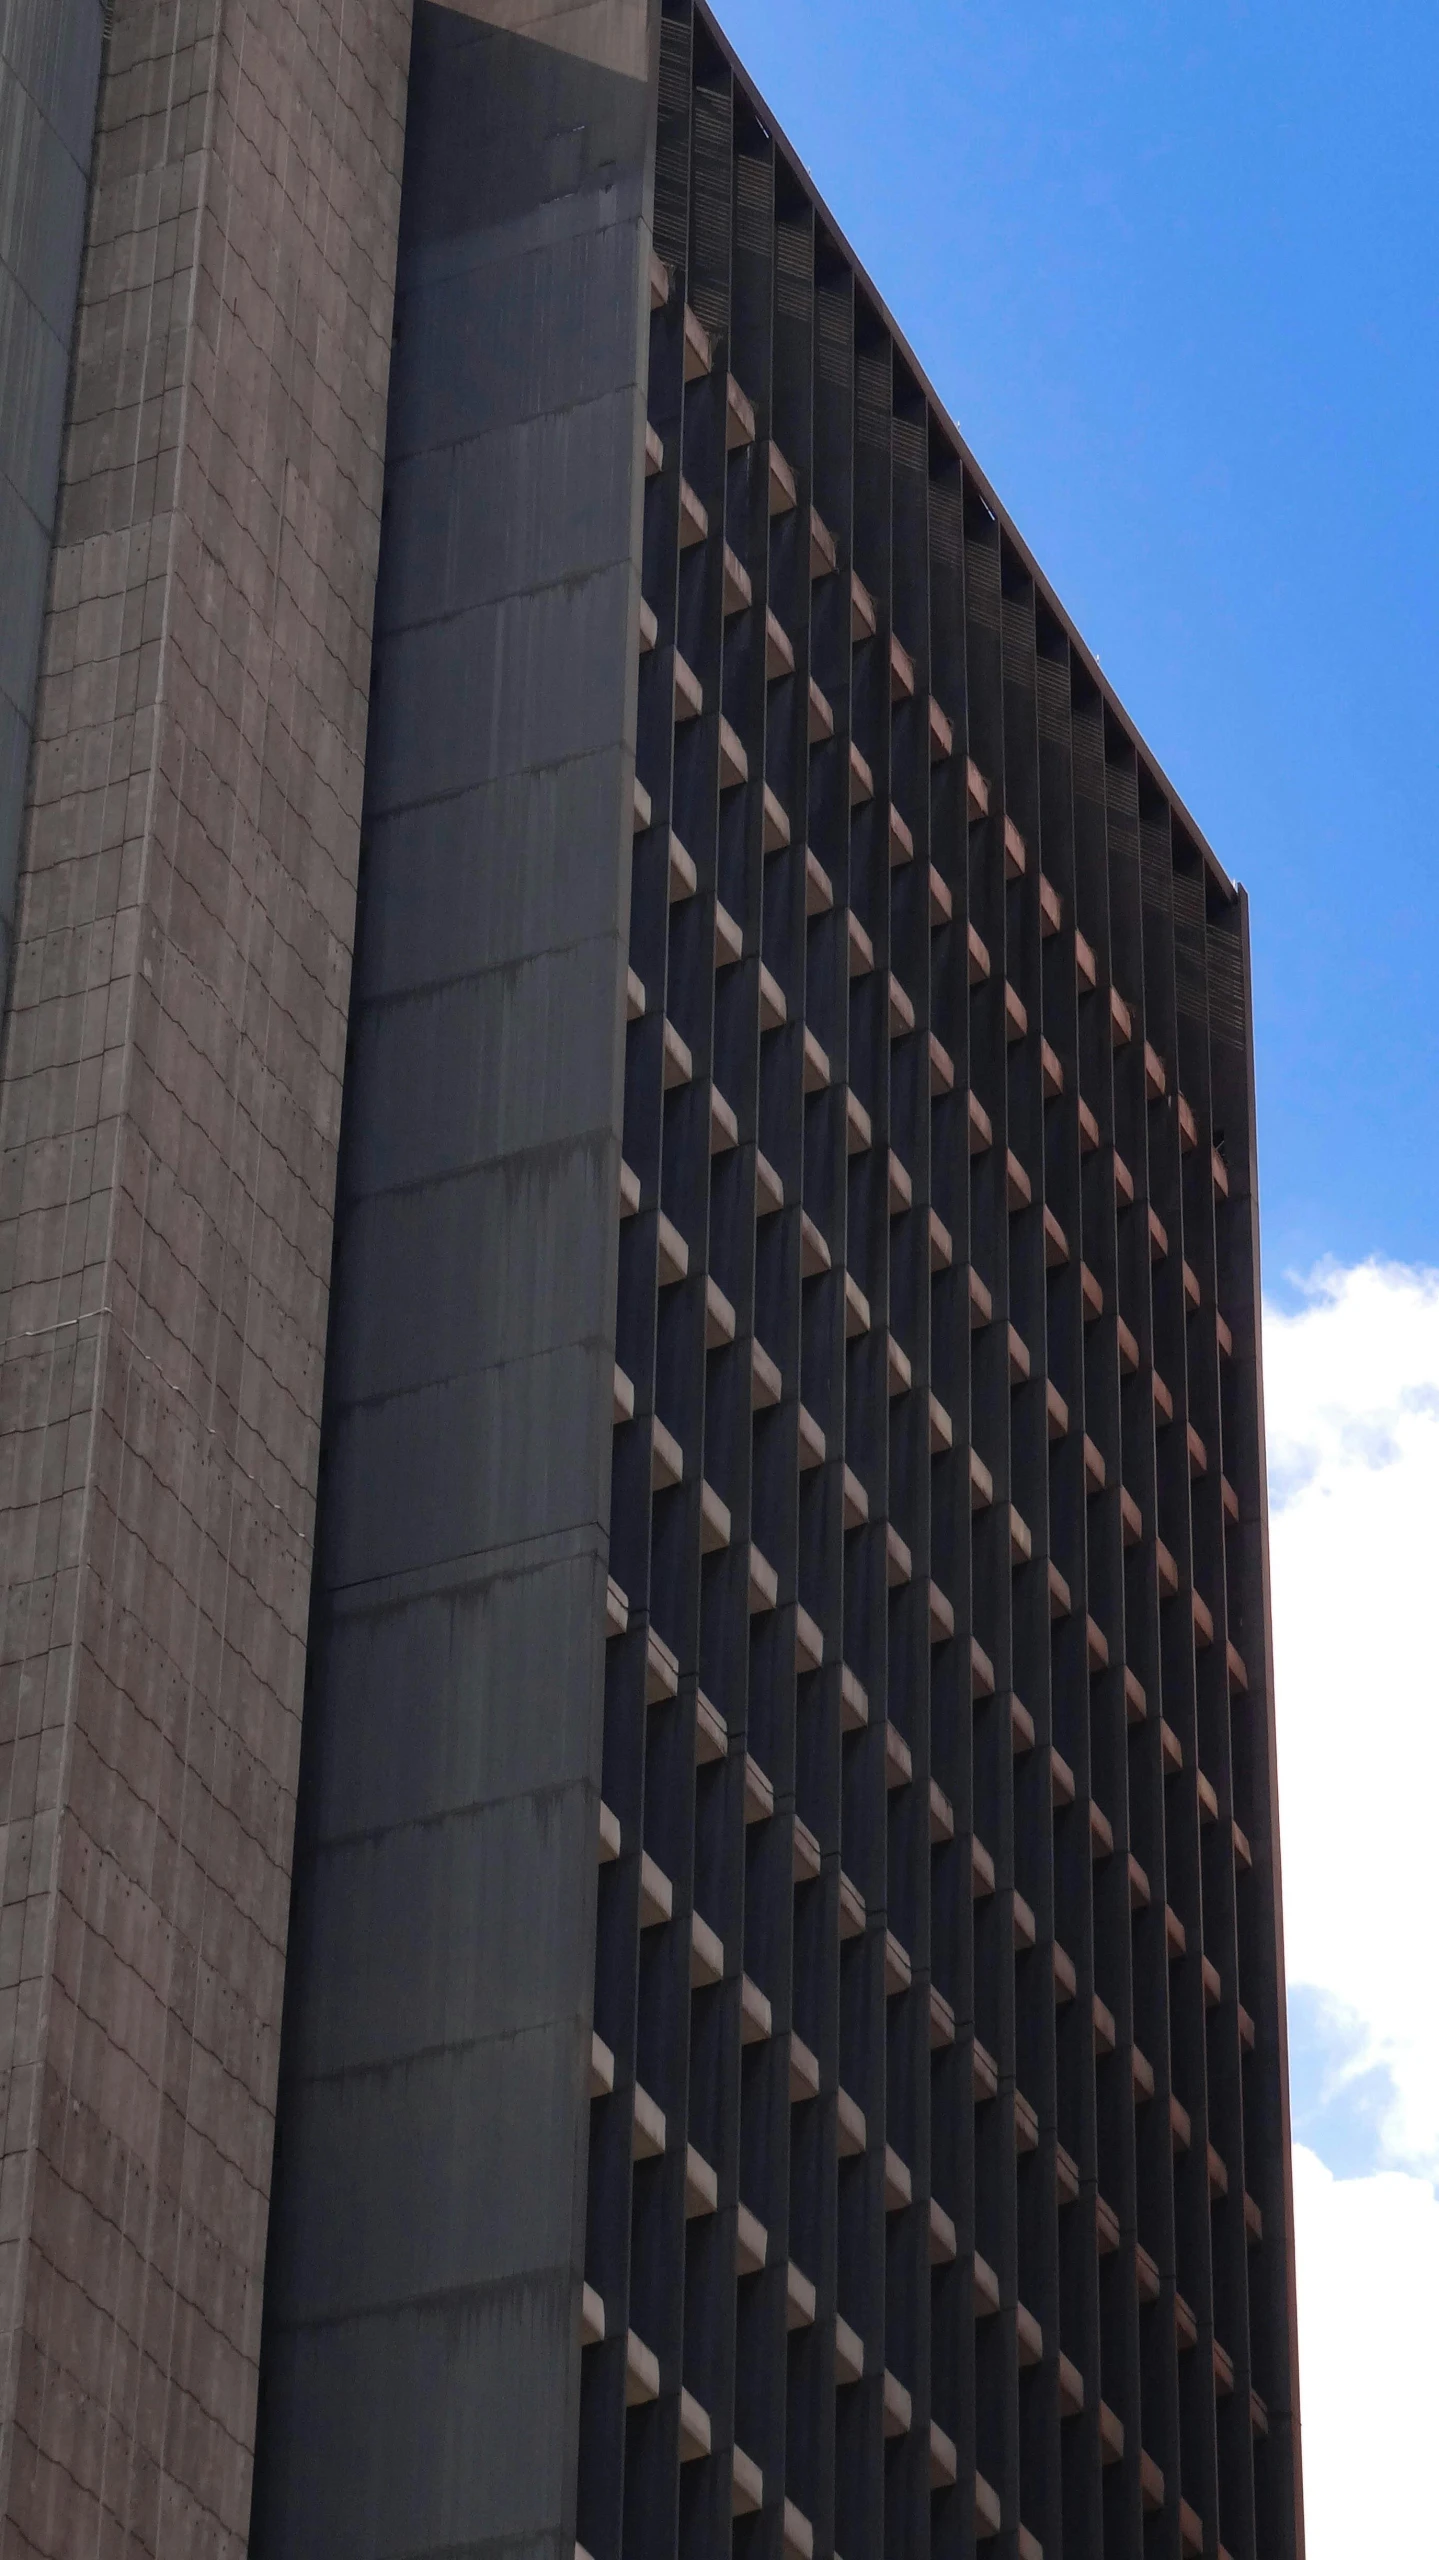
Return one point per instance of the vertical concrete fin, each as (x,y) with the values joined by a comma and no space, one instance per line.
(169,1112)
(421,2364)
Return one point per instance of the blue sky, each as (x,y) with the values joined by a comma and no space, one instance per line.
(1173,269)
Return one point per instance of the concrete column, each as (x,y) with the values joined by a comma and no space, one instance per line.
(420,2375)
(169,1110)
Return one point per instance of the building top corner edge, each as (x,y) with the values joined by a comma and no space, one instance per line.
(1218,877)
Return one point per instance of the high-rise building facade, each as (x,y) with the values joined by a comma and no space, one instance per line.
(640,1869)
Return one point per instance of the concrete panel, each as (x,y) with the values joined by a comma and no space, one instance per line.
(575,136)
(14,767)
(169,1114)
(422,2427)
(481,694)
(417,1734)
(32,401)
(42,208)
(501,364)
(450,548)
(435,910)
(511,1238)
(49,66)
(395,1503)
(53,54)
(463,1074)
(25,552)
(415,2130)
(454,1931)
(421,2365)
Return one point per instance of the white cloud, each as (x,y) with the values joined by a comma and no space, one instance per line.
(1352,1395)
(1368,2267)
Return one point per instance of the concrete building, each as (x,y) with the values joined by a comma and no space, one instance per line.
(640,1882)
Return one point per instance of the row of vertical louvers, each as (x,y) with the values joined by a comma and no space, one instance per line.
(935,2191)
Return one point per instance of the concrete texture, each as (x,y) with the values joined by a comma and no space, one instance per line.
(420,2372)
(49,66)
(168,1118)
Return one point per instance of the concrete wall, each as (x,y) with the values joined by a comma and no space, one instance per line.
(169,1108)
(420,2374)
(49,64)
